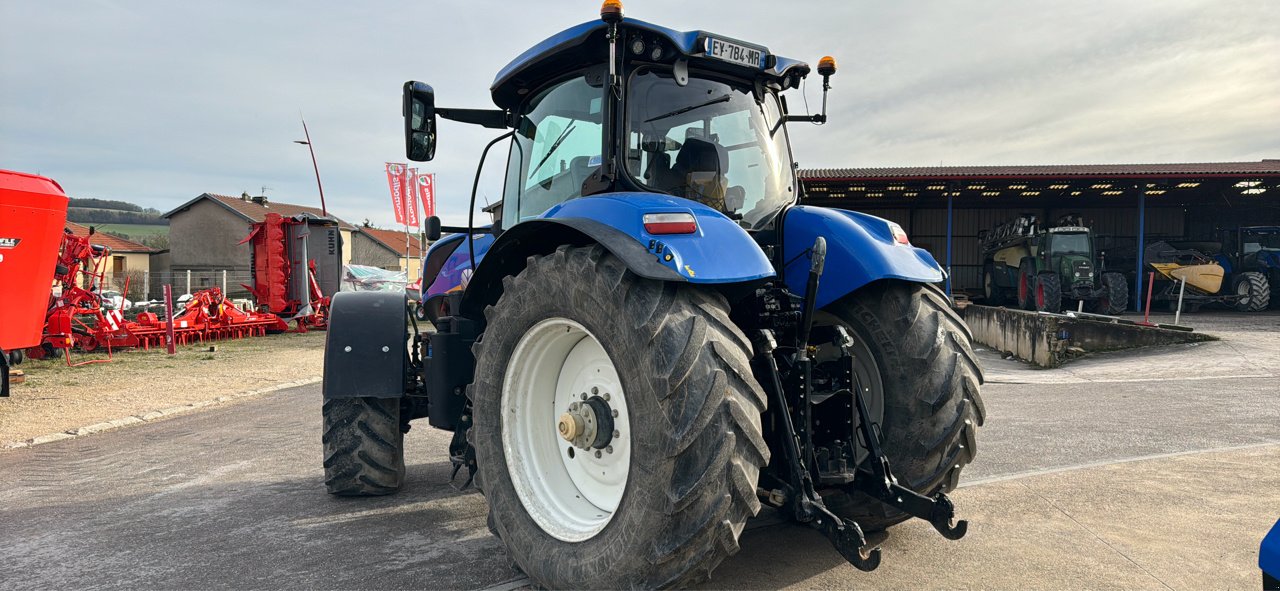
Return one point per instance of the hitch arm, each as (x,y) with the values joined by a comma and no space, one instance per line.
(881,484)
(846,536)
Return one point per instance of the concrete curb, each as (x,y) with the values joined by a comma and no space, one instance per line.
(154,415)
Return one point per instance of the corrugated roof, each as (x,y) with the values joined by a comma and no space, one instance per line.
(256,212)
(394,240)
(115,243)
(1269,167)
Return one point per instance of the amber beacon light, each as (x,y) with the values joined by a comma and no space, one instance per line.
(827,66)
(611,11)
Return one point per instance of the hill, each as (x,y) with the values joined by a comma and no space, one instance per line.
(87,210)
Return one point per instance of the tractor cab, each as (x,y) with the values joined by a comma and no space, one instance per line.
(1068,251)
(621,105)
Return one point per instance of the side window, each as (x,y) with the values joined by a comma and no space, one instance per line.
(556,148)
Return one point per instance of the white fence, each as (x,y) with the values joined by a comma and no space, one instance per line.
(145,285)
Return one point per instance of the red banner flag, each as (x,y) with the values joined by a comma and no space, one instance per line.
(411,199)
(427,191)
(396,182)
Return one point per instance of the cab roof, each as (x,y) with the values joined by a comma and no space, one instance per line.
(584,45)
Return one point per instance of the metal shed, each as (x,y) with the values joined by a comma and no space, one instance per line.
(943,208)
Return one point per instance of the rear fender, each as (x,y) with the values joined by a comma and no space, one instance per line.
(860,250)
(719,253)
(364,350)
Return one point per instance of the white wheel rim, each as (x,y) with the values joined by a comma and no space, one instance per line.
(553,365)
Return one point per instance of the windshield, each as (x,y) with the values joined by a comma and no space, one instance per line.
(1261,240)
(1069,244)
(709,141)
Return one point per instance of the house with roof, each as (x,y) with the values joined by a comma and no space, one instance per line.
(126,256)
(205,235)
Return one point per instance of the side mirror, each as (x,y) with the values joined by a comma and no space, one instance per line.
(419,112)
(432,228)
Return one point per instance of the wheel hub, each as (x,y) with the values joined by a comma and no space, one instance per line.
(587,425)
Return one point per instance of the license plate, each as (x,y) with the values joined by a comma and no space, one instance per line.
(737,53)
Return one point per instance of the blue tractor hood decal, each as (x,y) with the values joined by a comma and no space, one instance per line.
(860,249)
(719,252)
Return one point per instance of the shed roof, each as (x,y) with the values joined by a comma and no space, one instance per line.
(115,243)
(1267,167)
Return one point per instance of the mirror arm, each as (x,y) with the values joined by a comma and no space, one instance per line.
(491,118)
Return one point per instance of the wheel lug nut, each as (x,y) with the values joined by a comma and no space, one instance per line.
(615,414)
(616,434)
(597,453)
(584,395)
(606,396)
(608,449)
(594,390)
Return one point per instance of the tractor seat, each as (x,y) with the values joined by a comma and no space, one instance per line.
(699,172)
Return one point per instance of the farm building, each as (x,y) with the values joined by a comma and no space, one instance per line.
(126,255)
(205,235)
(943,209)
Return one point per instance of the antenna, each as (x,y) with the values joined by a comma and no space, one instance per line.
(265,189)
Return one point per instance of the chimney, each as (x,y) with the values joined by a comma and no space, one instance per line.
(244,196)
(260,200)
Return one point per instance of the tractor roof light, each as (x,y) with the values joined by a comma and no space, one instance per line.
(899,235)
(611,11)
(670,223)
(827,66)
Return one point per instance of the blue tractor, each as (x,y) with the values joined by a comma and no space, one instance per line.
(654,339)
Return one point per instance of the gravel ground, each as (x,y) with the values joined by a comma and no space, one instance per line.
(58,398)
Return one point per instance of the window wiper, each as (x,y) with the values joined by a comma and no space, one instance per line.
(556,144)
(683,110)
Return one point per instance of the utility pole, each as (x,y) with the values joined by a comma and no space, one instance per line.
(307,142)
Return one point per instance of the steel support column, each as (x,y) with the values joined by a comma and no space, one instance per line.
(1142,227)
(949,220)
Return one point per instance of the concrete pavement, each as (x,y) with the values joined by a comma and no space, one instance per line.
(1115,482)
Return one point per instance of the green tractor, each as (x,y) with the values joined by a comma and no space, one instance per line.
(1039,268)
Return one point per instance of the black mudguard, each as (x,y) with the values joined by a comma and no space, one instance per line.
(365,349)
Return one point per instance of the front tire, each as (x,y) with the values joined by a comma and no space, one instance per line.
(1049,293)
(579,322)
(1254,290)
(926,379)
(363,446)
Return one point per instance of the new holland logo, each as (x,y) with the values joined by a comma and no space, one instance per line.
(9,242)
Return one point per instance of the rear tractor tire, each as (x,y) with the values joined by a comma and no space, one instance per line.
(657,497)
(363,446)
(1255,289)
(1115,295)
(922,377)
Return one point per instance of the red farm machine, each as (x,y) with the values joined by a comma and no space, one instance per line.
(33,210)
(77,319)
(297,267)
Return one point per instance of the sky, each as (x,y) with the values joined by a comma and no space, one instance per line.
(158,102)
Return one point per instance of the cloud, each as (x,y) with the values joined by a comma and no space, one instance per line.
(157,102)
